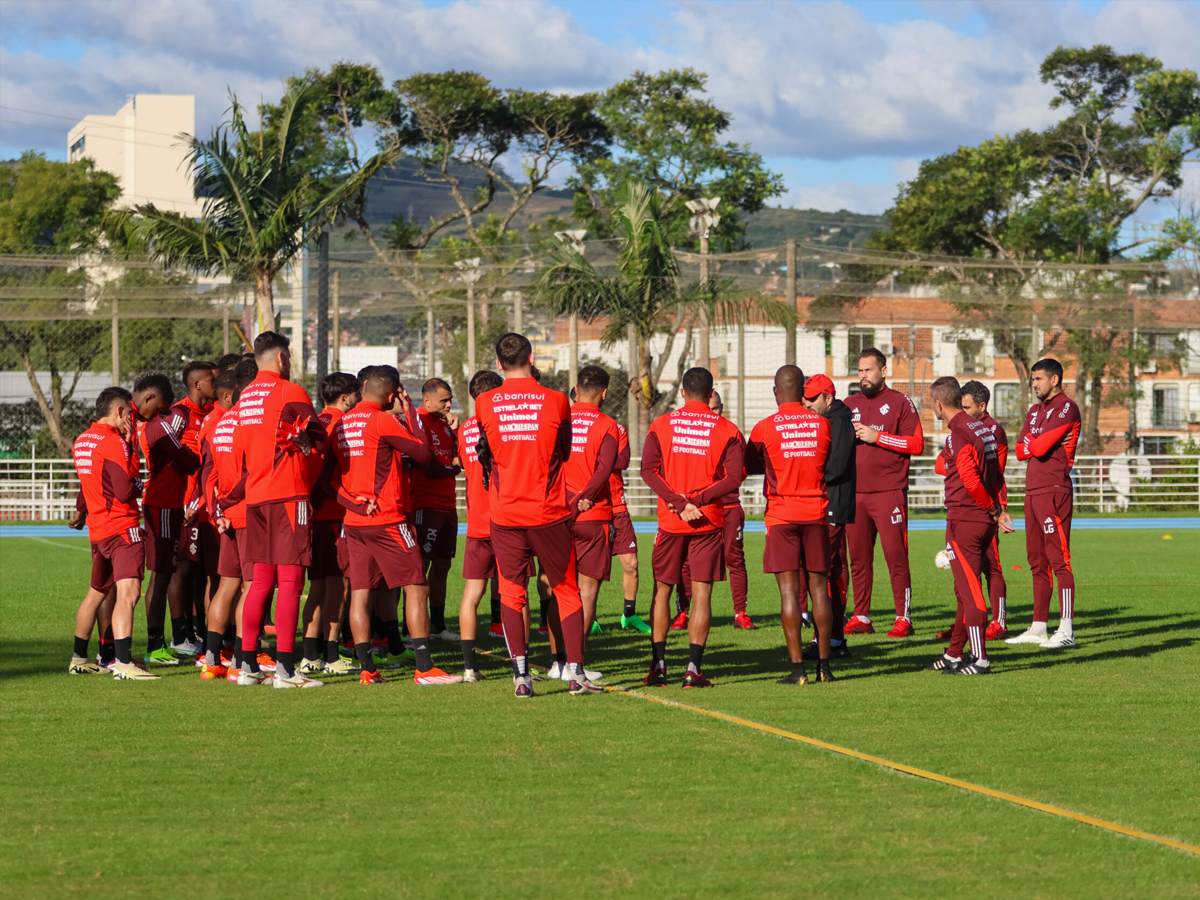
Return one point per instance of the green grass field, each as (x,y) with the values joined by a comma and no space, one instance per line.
(205,789)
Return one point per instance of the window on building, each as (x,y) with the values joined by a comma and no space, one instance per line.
(77,148)
(855,388)
(1166,406)
(1023,338)
(1006,402)
(1161,345)
(970,358)
(860,340)
(828,335)
(1158,445)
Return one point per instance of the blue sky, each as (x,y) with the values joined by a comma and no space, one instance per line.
(843,98)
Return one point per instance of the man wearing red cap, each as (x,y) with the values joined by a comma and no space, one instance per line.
(889,433)
(819,396)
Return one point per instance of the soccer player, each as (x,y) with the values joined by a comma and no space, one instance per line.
(107,464)
(624,545)
(381,546)
(693,458)
(339,393)
(527,432)
(840,478)
(277,430)
(974,485)
(1048,441)
(198,549)
(889,433)
(435,510)
(789,450)
(169,465)
(479,561)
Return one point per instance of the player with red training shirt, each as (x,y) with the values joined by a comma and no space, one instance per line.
(789,450)
(169,465)
(435,507)
(889,433)
(974,513)
(479,561)
(322,615)
(277,430)
(1048,441)
(368,442)
(198,548)
(624,539)
(527,436)
(692,459)
(107,464)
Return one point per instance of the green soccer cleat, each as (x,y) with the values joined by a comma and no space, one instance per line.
(161,657)
(342,666)
(386,661)
(635,622)
(596,629)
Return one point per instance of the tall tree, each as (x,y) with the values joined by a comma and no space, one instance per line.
(51,208)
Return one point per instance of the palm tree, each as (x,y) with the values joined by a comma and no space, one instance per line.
(261,203)
(646,295)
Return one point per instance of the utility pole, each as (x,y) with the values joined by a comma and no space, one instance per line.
(430,361)
(912,358)
(336,298)
(789,344)
(116,344)
(741,371)
(705,218)
(573,240)
(322,305)
(633,408)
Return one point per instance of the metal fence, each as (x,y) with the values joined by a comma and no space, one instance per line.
(45,489)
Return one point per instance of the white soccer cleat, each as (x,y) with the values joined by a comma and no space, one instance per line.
(1027,637)
(81,666)
(1058,640)
(247,678)
(310,666)
(564,674)
(444,635)
(187,648)
(298,680)
(132,672)
(557,671)
(470,676)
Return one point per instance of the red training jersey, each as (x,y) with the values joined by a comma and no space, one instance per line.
(229,468)
(368,442)
(883,466)
(169,463)
(320,470)
(107,466)
(616,481)
(479,522)
(194,416)
(595,445)
(1049,439)
(431,488)
(789,449)
(692,455)
(528,429)
(271,411)
(974,482)
(203,494)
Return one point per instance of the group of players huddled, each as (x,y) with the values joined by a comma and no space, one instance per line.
(248,486)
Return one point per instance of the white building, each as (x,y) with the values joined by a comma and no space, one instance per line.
(141,145)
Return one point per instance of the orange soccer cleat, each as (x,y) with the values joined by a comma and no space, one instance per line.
(859,625)
(902,628)
(436,676)
(371,677)
(212,673)
(680,622)
(265,663)
(232,673)
(742,621)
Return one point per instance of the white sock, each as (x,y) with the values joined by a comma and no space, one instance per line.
(1067,626)
(1038,628)
(866,619)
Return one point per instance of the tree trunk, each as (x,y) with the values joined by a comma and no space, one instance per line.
(646,392)
(51,411)
(1095,399)
(264,297)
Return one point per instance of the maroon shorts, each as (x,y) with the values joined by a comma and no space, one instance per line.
(278,534)
(117,558)
(593,549)
(479,560)
(703,551)
(793,547)
(518,551)
(199,545)
(383,554)
(163,529)
(437,532)
(325,562)
(624,540)
(343,552)
(229,561)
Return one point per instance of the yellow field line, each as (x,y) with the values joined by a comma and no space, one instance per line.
(908,770)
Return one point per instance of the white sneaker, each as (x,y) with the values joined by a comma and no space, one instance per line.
(1027,637)
(187,648)
(132,672)
(247,678)
(310,666)
(444,635)
(296,681)
(470,676)
(81,666)
(564,674)
(557,670)
(1057,640)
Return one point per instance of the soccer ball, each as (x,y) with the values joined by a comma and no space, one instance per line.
(942,560)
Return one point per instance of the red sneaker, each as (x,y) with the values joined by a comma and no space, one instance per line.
(695,680)
(995,630)
(496,631)
(902,628)
(657,677)
(945,635)
(366,677)
(859,625)
(232,673)
(265,663)
(544,630)
(680,622)
(741,620)
(226,658)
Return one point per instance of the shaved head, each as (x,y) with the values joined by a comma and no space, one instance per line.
(789,384)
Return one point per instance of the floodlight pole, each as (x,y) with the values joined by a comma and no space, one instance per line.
(574,240)
(789,344)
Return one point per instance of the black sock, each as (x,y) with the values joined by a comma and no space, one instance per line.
(249,660)
(81,646)
(798,667)
(284,659)
(331,651)
(695,656)
(560,656)
(394,638)
(468,649)
(542,605)
(658,652)
(310,648)
(421,649)
(179,627)
(108,652)
(212,647)
(230,631)
(496,611)
(364,656)
(155,639)
(376,627)
(437,619)
(124,648)
(630,608)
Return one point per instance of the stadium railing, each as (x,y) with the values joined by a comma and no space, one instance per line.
(44,489)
